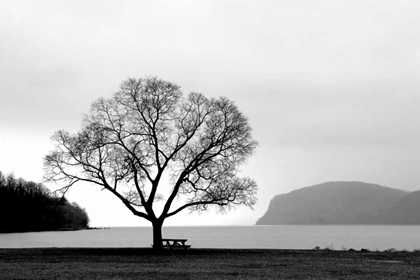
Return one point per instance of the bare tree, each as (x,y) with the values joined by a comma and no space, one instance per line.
(149,139)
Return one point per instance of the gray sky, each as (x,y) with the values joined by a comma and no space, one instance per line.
(331,88)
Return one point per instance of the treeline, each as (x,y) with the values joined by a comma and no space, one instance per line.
(29,206)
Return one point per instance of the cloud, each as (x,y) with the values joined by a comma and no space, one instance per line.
(324,83)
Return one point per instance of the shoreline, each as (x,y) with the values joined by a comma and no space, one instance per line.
(202,263)
(61,229)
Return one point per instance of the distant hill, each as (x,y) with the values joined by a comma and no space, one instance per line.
(344,203)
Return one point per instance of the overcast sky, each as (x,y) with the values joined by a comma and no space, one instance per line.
(331,88)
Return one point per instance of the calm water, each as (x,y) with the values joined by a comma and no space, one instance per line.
(280,237)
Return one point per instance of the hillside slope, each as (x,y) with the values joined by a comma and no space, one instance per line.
(344,203)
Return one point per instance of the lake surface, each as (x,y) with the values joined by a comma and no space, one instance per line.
(273,237)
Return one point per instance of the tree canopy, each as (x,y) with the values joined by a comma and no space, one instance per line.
(149,144)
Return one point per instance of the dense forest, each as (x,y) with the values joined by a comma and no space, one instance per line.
(29,206)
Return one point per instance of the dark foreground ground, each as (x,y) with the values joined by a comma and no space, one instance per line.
(144,263)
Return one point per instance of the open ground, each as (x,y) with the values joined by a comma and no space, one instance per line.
(144,263)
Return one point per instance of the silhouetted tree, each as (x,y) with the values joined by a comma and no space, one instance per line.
(149,139)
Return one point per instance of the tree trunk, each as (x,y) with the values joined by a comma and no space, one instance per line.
(157,235)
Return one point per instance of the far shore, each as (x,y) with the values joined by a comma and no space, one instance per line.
(61,229)
(197,263)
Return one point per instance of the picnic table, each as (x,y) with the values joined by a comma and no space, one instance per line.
(175,243)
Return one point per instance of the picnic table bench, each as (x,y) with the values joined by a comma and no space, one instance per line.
(175,243)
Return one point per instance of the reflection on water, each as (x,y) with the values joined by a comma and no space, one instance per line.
(276,237)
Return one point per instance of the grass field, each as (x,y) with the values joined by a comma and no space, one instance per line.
(144,263)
